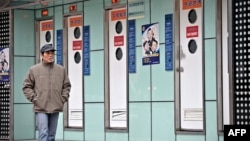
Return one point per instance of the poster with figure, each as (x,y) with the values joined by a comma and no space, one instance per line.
(4,65)
(150,44)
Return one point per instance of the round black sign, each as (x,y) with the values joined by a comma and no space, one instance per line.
(118,53)
(77,32)
(48,36)
(77,57)
(192,46)
(118,27)
(192,16)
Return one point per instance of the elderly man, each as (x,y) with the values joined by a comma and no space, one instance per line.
(47,86)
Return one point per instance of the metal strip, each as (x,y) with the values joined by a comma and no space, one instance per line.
(177,64)
(219,75)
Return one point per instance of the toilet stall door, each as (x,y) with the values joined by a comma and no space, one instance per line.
(118,68)
(46,32)
(75,70)
(191,64)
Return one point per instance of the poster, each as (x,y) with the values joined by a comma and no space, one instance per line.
(4,65)
(150,44)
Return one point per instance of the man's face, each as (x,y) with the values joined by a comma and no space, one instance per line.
(154,46)
(5,66)
(146,47)
(48,56)
(150,34)
(3,56)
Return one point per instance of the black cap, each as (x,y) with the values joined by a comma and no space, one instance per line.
(47,47)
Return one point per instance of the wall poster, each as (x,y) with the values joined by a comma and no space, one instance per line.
(150,44)
(4,65)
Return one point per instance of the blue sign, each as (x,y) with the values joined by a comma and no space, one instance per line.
(86,54)
(168,42)
(132,50)
(59,47)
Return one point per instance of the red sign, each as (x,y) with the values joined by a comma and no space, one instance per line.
(115,1)
(47,25)
(118,40)
(191,4)
(45,12)
(72,8)
(76,21)
(192,31)
(77,45)
(118,15)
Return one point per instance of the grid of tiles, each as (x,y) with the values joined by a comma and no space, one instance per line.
(241,56)
(4,85)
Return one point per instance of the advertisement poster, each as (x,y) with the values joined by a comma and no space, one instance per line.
(4,65)
(150,44)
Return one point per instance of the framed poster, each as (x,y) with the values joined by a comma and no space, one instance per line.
(150,44)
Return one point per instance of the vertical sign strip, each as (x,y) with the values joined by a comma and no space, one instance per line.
(86,55)
(132,50)
(59,49)
(168,42)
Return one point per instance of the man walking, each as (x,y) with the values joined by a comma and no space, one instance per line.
(47,86)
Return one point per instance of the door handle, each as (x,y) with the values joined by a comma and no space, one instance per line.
(180,69)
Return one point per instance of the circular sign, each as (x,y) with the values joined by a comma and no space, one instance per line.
(118,53)
(77,32)
(192,46)
(77,57)
(48,36)
(192,16)
(118,27)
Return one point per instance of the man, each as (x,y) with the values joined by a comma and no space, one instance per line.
(2,56)
(47,86)
(147,48)
(5,67)
(151,38)
(2,61)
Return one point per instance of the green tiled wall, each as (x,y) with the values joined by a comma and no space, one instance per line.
(151,97)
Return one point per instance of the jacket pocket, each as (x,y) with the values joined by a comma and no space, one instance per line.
(57,101)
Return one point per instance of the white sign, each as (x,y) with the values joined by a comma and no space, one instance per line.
(136,9)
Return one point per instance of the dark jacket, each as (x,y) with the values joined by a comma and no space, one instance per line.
(47,86)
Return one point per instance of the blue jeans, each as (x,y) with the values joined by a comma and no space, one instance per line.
(47,125)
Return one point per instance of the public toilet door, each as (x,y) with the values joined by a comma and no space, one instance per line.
(75,70)
(117,68)
(191,66)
